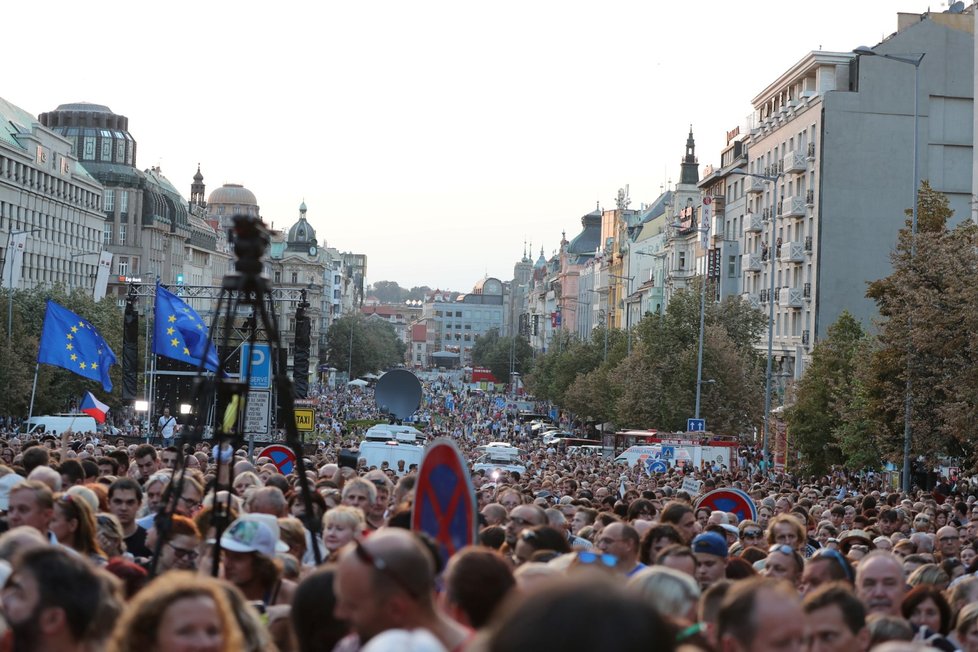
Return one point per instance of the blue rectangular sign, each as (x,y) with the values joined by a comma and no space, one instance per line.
(695,425)
(261,365)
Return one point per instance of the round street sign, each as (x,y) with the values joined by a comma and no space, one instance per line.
(282,457)
(734,501)
(444,504)
(655,466)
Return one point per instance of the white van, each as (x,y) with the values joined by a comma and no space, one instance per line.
(56,424)
(393,432)
(391,451)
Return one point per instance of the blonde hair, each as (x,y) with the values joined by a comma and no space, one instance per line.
(668,591)
(351,517)
(138,629)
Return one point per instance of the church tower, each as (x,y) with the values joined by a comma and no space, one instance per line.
(197,190)
(690,174)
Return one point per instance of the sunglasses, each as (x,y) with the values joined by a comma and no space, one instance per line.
(837,557)
(752,534)
(783,548)
(588,557)
(381,567)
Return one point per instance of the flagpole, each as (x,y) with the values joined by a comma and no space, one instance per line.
(30,411)
(149,365)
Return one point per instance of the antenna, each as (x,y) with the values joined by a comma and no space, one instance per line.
(398,393)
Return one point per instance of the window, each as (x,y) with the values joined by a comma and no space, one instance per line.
(107,233)
(122,234)
(682,260)
(123,266)
(295,277)
(732,266)
(106,153)
(123,201)
(278,277)
(109,204)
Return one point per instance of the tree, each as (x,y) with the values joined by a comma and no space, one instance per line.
(827,417)
(376,346)
(501,354)
(928,330)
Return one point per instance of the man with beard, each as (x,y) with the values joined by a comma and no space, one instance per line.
(51,601)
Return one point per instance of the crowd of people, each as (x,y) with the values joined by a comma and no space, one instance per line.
(131,546)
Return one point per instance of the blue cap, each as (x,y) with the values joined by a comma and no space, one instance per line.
(711,543)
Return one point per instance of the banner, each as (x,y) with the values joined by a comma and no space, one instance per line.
(102,275)
(13,259)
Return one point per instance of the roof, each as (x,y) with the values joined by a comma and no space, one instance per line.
(588,240)
(232,193)
(15,120)
(84,106)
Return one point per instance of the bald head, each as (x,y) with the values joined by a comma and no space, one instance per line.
(407,564)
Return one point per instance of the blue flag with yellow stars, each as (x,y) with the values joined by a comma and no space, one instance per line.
(72,343)
(180,333)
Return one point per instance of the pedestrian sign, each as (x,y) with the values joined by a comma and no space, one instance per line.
(695,425)
(305,420)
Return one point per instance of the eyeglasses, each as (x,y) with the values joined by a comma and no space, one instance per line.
(751,534)
(948,539)
(837,557)
(519,522)
(189,502)
(588,557)
(184,553)
(858,547)
(783,548)
(381,567)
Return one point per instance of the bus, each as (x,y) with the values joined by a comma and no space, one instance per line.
(699,448)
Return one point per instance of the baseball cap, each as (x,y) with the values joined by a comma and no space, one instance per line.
(254,533)
(710,543)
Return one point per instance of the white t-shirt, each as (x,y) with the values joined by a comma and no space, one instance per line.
(167,426)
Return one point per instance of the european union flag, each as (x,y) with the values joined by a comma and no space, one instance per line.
(180,333)
(72,343)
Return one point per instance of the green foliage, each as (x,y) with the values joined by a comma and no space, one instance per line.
(56,387)
(501,354)
(376,345)
(929,330)
(828,424)
(391,292)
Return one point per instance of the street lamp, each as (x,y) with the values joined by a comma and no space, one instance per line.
(607,320)
(80,254)
(773,180)
(912,59)
(10,284)
(628,324)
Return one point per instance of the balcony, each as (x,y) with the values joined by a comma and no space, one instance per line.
(791,252)
(794,162)
(790,298)
(753,223)
(750,262)
(806,338)
(792,207)
(806,291)
(752,299)
(810,198)
(755,185)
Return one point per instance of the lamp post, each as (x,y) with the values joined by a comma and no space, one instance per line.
(10,279)
(627,320)
(607,319)
(911,59)
(773,180)
(79,255)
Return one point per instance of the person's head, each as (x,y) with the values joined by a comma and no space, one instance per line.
(616,619)
(384,583)
(680,515)
(620,540)
(108,532)
(931,574)
(826,565)
(521,517)
(967,627)
(948,541)
(125,496)
(711,554)
(52,599)
(641,509)
(341,525)
(191,494)
(670,592)
(169,456)
(583,517)
(925,605)
(147,462)
(678,557)
(880,584)
(312,618)
(31,503)
(176,611)
(783,562)
(34,457)
(73,524)
(835,619)
(477,581)
(270,500)
(250,545)
(750,533)
(494,513)
(72,473)
(154,488)
(360,493)
(786,529)
(180,545)
(655,539)
(760,614)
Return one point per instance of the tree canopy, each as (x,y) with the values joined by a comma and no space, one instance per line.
(376,346)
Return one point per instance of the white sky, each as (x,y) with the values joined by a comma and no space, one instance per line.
(436,137)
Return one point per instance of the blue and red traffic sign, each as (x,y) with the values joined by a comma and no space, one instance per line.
(734,501)
(282,457)
(444,503)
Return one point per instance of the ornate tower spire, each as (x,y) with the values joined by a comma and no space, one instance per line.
(690,174)
(197,190)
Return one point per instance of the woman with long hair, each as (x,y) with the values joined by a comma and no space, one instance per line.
(73,523)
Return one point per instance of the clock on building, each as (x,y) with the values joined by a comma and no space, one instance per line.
(313,250)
